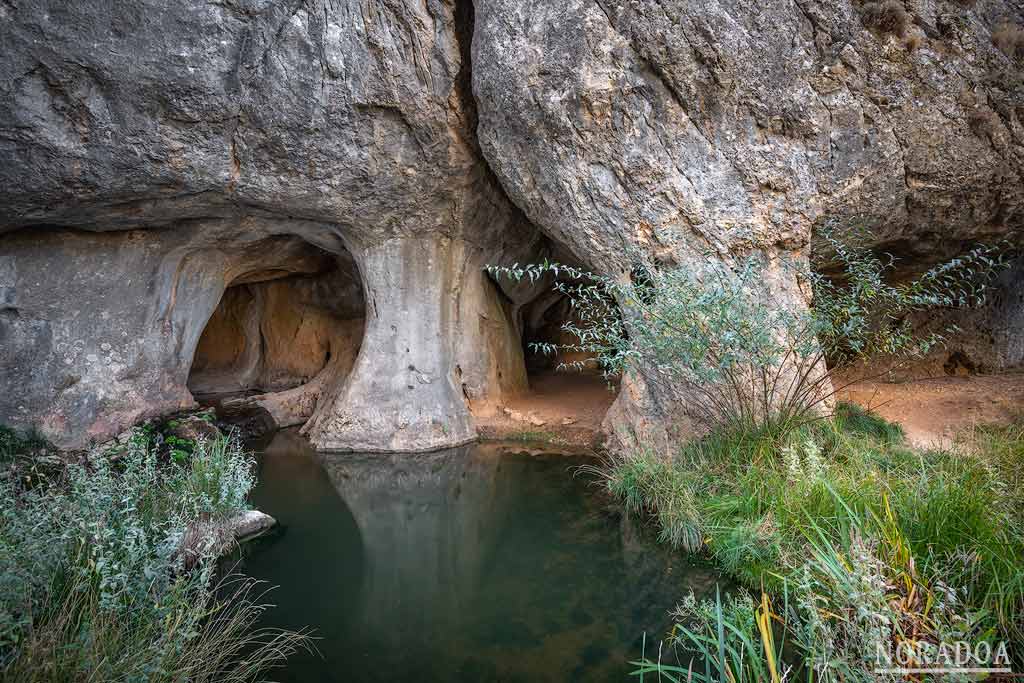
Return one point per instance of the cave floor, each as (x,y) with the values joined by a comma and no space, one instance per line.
(932,411)
(563,408)
(566,408)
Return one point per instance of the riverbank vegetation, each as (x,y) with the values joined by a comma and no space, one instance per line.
(850,544)
(852,540)
(108,567)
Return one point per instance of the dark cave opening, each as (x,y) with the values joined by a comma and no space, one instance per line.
(280,328)
(547,343)
(565,391)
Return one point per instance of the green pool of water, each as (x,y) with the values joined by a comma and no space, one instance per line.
(483,563)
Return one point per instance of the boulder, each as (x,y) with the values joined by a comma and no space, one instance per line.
(731,129)
(220,536)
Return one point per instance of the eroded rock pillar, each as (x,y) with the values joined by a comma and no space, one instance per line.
(402,394)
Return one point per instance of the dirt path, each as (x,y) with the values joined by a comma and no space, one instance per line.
(567,408)
(562,408)
(932,411)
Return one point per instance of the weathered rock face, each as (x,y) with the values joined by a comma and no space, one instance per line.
(742,124)
(119,113)
(404,377)
(736,128)
(99,329)
(198,129)
(154,156)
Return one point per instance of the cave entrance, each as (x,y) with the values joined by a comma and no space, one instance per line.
(566,394)
(289,325)
(568,379)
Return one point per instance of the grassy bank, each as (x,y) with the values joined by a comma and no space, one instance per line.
(856,540)
(94,582)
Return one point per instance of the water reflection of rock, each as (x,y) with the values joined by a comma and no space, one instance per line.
(427,522)
(483,563)
(321,573)
(652,565)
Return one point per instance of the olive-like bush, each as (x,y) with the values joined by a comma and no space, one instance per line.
(716,340)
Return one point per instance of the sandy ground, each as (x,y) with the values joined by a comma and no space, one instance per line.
(562,408)
(932,411)
(567,408)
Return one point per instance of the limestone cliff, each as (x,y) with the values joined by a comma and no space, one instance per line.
(738,127)
(155,156)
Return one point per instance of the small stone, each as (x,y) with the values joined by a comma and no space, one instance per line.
(248,525)
(515,415)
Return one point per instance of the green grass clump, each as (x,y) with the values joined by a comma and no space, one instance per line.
(940,532)
(93,578)
(733,636)
(851,419)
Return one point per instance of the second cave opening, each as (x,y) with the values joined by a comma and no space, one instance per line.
(565,396)
(284,329)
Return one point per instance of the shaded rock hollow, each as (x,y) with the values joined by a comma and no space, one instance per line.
(163,167)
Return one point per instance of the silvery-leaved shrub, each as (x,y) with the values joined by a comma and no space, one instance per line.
(92,581)
(715,338)
(217,480)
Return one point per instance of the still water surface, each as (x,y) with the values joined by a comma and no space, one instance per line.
(482,563)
